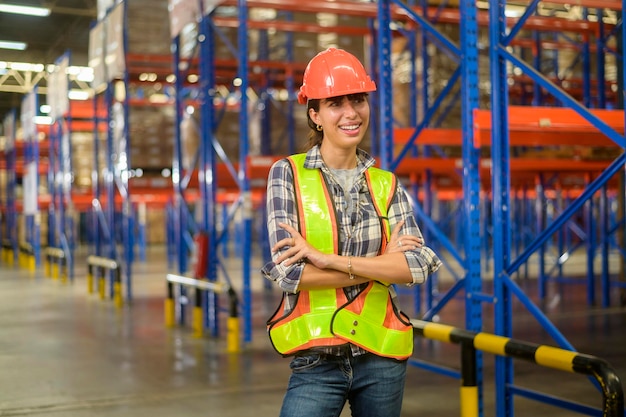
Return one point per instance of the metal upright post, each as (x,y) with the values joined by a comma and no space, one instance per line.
(127,209)
(291,100)
(385,96)
(179,207)
(11,185)
(244,144)
(600,62)
(96,209)
(501,200)
(110,185)
(471,178)
(208,165)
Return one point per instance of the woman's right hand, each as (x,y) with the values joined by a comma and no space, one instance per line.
(298,249)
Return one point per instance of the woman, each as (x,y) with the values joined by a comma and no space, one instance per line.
(341,232)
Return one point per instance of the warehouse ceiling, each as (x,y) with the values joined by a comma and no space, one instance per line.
(66,29)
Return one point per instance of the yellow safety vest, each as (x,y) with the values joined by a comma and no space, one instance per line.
(327,317)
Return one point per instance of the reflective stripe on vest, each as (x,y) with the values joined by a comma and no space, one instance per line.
(326,317)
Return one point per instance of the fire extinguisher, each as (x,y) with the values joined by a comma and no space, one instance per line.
(202,253)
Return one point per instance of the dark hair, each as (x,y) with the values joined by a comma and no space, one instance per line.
(315,136)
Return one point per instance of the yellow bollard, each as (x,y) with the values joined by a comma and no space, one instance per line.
(55,271)
(469,401)
(198,328)
(90,281)
(32,265)
(117,294)
(232,335)
(169,312)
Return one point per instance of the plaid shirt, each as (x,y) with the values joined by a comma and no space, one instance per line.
(359,232)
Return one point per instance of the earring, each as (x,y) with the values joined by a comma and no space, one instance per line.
(318,128)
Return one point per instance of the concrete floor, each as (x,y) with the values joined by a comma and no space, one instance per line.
(67,353)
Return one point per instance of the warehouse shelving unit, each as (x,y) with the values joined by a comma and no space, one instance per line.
(505,288)
(112,209)
(8,227)
(470,136)
(492,185)
(61,235)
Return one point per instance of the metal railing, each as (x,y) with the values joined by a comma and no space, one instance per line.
(199,285)
(97,268)
(55,263)
(543,355)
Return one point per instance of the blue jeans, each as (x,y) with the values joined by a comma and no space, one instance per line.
(320,385)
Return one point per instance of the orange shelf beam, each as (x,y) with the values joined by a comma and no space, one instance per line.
(528,126)
(448,15)
(549,126)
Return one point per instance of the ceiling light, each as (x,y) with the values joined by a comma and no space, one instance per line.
(19,46)
(26,66)
(78,95)
(43,120)
(27,10)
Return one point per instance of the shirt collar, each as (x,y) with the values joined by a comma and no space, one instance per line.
(314,159)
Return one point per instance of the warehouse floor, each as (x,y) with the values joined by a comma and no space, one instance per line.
(67,353)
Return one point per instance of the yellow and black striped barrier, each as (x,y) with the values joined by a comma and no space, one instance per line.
(543,355)
(97,268)
(55,263)
(200,285)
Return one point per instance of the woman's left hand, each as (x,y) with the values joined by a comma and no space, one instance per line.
(298,249)
(398,243)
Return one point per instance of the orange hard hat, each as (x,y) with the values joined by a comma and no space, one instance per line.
(334,72)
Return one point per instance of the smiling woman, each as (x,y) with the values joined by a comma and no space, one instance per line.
(335,223)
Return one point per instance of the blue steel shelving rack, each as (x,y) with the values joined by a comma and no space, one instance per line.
(107,222)
(10,215)
(466,56)
(60,222)
(472,214)
(206,96)
(505,289)
(185,226)
(32,216)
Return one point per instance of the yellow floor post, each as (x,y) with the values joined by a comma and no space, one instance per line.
(117,294)
(90,280)
(169,306)
(197,322)
(232,336)
(469,401)
(169,312)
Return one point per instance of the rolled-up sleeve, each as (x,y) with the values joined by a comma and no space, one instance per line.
(422,260)
(281,208)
